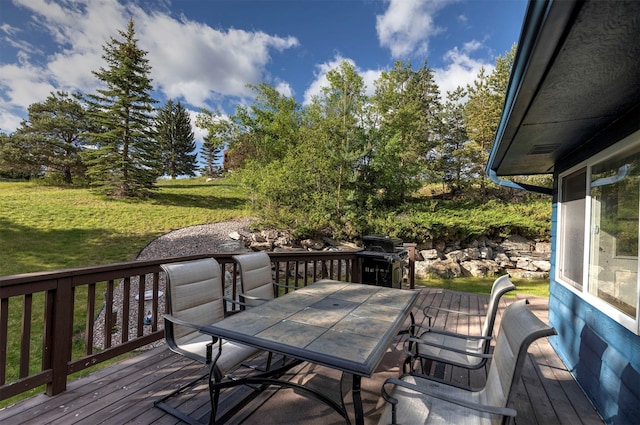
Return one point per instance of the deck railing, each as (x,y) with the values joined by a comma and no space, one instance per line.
(79,330)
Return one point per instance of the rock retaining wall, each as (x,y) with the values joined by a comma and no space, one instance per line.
(520,257)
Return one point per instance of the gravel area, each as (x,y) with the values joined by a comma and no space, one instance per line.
(191,240)
(195,239)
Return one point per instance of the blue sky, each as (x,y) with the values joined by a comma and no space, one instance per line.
(204,52)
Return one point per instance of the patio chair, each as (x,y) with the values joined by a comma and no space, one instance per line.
(442,346)
(426,400)
(256,279)
(195,299)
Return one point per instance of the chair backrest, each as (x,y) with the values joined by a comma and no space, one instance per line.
(501,286)
(256,279)
(519,327)
(194,295)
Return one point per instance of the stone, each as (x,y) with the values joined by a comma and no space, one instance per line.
(235,236)
(270,234)
(542,265)
(261,246)
(543,247)
(429,254)
(312,244)
(439,268)
(473,253)
(503,261)
(524,263)
(458,256)
(525,274)
(480,268)
(516,243)
(486,253)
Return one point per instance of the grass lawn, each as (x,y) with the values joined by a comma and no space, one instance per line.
(49,228)
(478,285)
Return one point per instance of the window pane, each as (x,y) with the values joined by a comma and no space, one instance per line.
(613,259)
(571,241)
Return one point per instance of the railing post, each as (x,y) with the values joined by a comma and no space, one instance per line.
(356,270)
(411,272)
(60,316)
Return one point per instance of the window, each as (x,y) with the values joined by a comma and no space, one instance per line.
(571,243)
(598,230)
(613,254)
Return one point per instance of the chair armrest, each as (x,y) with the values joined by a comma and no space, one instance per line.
(441,331)
(250,297)
(181,322)
(447,310)
(236,302)
(495,410)
(282,285)
(418,341)
(232,301)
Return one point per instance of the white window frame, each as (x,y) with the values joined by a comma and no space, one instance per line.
(632,324)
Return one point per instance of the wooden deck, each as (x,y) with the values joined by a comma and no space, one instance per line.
(124,392)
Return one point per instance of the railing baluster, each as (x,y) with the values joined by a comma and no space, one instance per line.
(90,319)
(25,347)
(108,315)
(4,325)
(141,304)
(286,273)
(155,306)
(124,317)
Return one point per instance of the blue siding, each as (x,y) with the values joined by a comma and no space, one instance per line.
(603,356)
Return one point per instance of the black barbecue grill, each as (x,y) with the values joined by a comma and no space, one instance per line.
(382,261)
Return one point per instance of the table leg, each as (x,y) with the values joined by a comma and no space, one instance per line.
(357,400)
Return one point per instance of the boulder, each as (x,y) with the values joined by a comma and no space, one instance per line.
(480,268)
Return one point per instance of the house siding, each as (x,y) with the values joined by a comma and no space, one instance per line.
(603,356)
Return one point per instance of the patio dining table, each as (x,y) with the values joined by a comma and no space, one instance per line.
(341,325)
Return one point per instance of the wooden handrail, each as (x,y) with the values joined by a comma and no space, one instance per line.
(52,295)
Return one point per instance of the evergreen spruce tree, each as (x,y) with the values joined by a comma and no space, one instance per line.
(210,152)
(125,160)
(176,140)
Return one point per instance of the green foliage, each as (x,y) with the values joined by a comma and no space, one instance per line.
(218,135)
(53,136)
(15,161)
(126,160)
(176,139)
(463,220)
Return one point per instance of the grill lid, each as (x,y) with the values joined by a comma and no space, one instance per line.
(382,244)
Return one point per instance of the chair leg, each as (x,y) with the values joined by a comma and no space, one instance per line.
(214,392)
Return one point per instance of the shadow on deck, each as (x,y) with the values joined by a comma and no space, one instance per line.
(124,392)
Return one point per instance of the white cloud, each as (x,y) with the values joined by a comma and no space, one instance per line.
(407,25)
(198,63)
(189,60)
(315,88)
(284,88)
(198,132)
(460,69)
